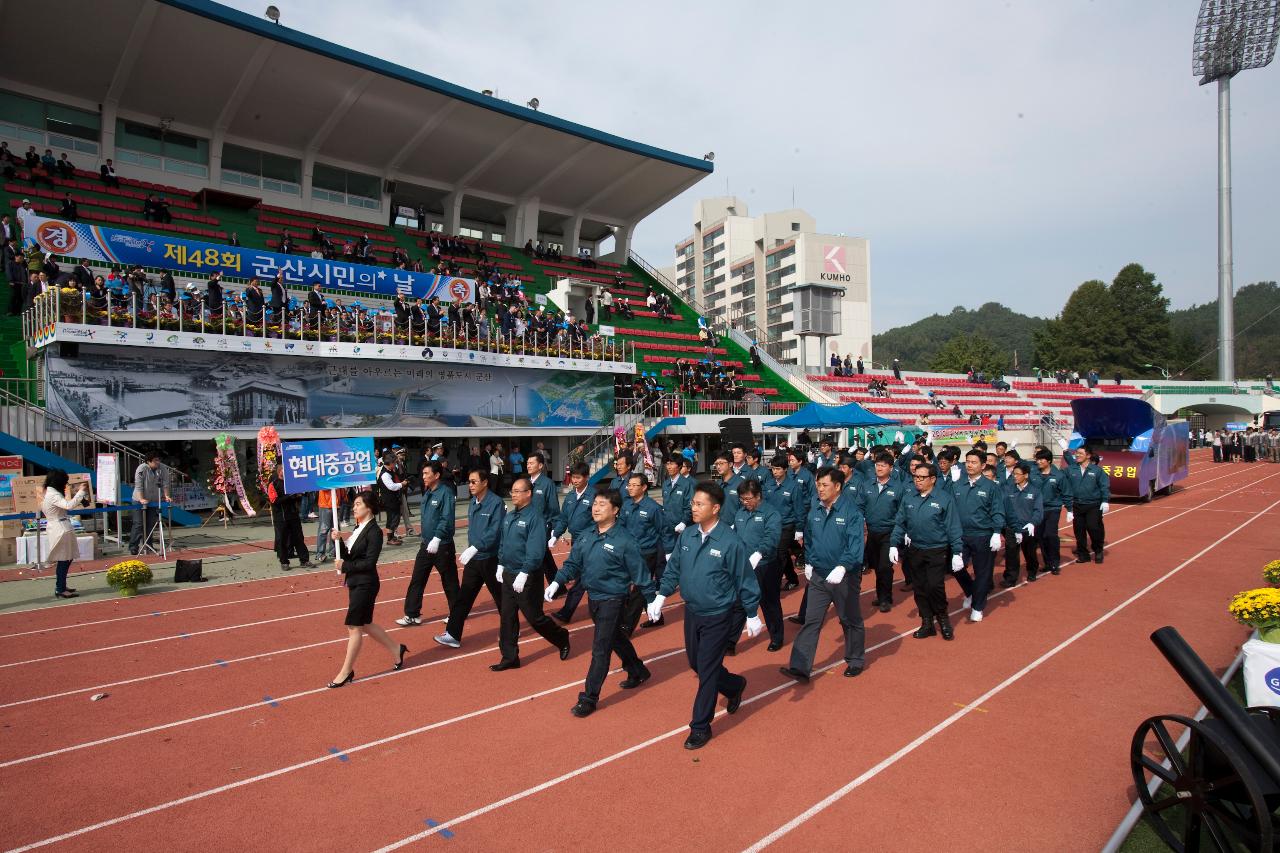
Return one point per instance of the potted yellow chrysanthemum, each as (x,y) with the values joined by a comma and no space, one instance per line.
(128,576)
(1260,609)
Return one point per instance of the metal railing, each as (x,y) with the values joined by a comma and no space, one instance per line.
(789,372)
(157,314)
(598,447)
(64,438)
(716,324)
(760,406)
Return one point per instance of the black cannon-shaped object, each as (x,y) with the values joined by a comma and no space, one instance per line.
(1223,788)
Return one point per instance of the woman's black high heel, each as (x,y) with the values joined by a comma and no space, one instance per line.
(404,650)
(344,682)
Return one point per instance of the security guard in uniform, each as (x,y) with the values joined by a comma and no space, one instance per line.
(931,519)
(709,566)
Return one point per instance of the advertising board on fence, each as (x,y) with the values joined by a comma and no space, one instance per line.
(114,246)
(329,463)
(10,467)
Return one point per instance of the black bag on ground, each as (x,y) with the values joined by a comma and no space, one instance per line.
(189,571)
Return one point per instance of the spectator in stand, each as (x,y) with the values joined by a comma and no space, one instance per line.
(213,295)
(897,370)
(8,162)
(64,167)
(253,301)
(16,275)
(7,230)
(835,364)
(606,304)
(235,240)
(286,243)
(68,210)
(48,162)
(315,303)
(108,172)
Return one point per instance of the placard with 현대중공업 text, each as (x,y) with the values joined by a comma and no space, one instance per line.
(328,463)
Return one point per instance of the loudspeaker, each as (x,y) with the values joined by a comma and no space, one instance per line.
(189,571)
(68,349)
(391,187)
(736,431)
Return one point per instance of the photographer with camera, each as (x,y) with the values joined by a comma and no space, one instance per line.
(150,484)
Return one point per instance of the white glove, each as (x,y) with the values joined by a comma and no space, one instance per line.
(995,541)
(518,583)
(1017,537)
(680,527)
(551,543)
(655,608)
(434,545)
(1030,529)
(893,554)
(666,558)
(499,573)
(800,536)
(754,626)
(754,559)
(837,575)
(808,572)
(957,563)
(466,555)
(549,593)
(1071,516)
(1105,506)
(906,540)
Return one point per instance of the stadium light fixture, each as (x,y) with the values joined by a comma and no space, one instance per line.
(709,156)
(273,14)
(1231,36)
(1164,371)
(488,92)
(533,103)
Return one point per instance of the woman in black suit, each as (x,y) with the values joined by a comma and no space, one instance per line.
(357,566)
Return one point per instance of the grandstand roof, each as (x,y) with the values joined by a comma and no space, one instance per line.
(222,70)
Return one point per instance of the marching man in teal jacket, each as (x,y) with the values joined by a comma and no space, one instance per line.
(1090,494)
(709,566)
(932,521)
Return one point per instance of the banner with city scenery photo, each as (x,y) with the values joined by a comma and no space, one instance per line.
(190,257)
(114,390)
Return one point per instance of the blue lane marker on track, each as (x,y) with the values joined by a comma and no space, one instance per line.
(333,750)
(273,703)
(444,833)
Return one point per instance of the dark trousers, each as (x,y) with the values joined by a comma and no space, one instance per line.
(928,579)
(290,541)
(61,568)
(1217,453)
(1088,529)
(444,561)
(1028,548)
(572,599)
(982,561)
(705,639)
(786,557)
(846,598)
(529,604)
(549,567)
(475,574)
(1050,543)
(393,514)
(609,639)
(145,520)
(769,576)
(876,557)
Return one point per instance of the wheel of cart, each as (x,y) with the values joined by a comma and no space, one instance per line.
(1216,781)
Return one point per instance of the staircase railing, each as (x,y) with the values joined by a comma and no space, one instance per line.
(715,324)
(64,438)
(598,447)
(789,372)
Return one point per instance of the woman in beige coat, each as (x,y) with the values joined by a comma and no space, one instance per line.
(62,539)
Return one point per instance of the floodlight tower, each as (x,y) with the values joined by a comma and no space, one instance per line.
(1231,36)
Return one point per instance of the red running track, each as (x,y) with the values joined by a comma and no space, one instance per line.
(1015,734)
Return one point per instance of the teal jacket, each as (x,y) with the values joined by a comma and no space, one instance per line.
(545,501)
(524,541)
(643,520)
(880,506)
(677,498)
(437,512)
(980,506)
(759,531)
(484,525)
(1027,507)
(713,574)
(575,514)
(606,564)
(784,497)
(931,522)
(808,490)
(834,538)
(731,503)
(1090,486)
(1055,488)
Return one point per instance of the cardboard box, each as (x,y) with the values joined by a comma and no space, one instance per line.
(8,550)
(87,548)
(11,529)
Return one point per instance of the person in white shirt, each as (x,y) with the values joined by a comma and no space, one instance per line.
(25,213)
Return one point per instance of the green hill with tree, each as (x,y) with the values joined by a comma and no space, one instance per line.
(986,338)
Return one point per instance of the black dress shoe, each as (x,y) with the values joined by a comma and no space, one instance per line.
(635,681)
(285,567)
(926,629)
(1084,558)
(774,645)
(885,606)
(1097,558)
(66,594)
(307,565)
(944,625)
(1032,578)
(697,740)
(799,676)
(70,589)
(1055,570)
(795,619)
(790,585)
(731,650)
(582,709)
(1005,583)
(504,665)
(735,701)
(852,671)
(351,676)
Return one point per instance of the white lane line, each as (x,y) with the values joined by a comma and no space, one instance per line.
(490,807)
(906,750)
(276,699)
(314,761)
(788,685)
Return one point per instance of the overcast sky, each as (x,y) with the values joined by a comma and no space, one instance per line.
(988,150)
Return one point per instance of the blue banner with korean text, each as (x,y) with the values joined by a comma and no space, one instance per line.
(329,463)
(113,246)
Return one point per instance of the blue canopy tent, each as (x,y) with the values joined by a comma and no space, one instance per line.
(818,416)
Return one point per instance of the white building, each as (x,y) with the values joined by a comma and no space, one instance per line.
(743,269)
